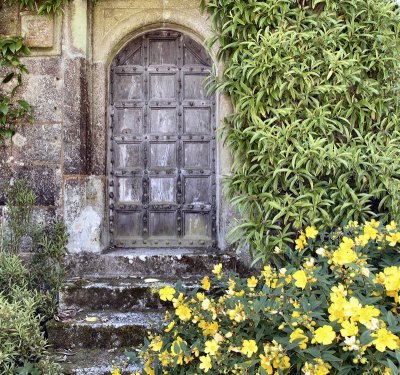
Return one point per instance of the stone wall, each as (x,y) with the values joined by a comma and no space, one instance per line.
(63,153)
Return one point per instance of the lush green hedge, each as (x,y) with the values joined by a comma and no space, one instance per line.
(315,128)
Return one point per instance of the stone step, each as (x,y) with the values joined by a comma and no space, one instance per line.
(153,262)
(93,361)
(111,329)
(118,294)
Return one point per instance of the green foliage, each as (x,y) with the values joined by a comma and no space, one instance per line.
(46,272)
(20,203)
(42,6)
(22,343)
(28,292)
(47,244)
(315,129)
(332,310)
(12,110)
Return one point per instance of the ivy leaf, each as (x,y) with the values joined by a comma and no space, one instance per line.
(8,77)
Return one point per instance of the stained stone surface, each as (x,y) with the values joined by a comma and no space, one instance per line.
(38,31)
(9,24)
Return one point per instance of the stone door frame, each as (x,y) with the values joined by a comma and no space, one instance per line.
(104,47)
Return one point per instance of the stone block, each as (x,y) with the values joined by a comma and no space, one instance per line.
(45,66)
(76,117)
(44,181)
(9,24)
(83,213)
(37,143)
(38,31)
(98,139)
(45,94)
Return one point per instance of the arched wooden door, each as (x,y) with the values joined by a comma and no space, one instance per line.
(162,186)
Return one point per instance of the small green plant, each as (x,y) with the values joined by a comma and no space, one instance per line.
(22,343)
(20,201)
(332,310)
(12,110)
(47,244)
(42,6)
(315,129)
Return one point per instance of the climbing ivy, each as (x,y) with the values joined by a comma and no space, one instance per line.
(315,128)
(12,110)
(41,6)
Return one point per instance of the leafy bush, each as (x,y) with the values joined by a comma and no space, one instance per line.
(333,310)
(315,129)
(47,244)
(28,292)
(22,343)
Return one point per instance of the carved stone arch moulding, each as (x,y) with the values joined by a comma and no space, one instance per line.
(162,154)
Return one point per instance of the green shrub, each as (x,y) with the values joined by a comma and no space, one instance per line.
(22,343)
(47,245)
(28,292)
(315,129)
(333,310)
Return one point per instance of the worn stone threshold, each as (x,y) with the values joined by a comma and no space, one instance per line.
(160,251)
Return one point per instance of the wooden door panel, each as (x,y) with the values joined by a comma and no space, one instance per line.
(128,224)
(128,87)
(194,86)
(197,120)
(162,190)
(162,86)
(129,190)
(197,190)
(197,225)
(163,155)
(162,185)
(163,120)
(163,224)
(163,52)
(129,121)
(196,155)
(128,156)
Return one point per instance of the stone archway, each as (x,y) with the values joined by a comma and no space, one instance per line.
(162,154)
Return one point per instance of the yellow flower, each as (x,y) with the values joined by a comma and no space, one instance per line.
(325,335)
(217,269)
(184,313)
(349,329)
(301,242)
(391,278)
(205,363)
(362,240)
(116,371)
(311,232)
(391,226)
(344,256)
(370,232)
(249,348)
(385,339)
(393,238)
(169,327)
(299,334)
(167,293)
(252,282)
(156,344)
(366,315)
(301,279)
(374,223)
(147,369)
(211,347)
(205,283)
